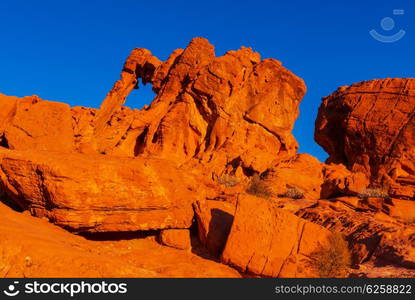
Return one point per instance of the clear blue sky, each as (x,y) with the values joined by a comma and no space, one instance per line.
(73,51)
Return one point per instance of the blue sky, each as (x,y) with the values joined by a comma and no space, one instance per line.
(73,51)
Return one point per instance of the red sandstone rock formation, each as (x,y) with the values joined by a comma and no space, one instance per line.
(370,127)
(31,247)
(214,221)
(372,233)
(139,65)
(33,123)
(222,111)
(96,193)
(232,113)
(176,238)
(303,176)
(185,163)
(268,241)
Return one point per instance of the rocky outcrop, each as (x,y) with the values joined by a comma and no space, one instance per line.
(174,182)
(33,123)
(269,241)
(94,193)
(372,233)
(338,181)
(222,111)
(370,127)
(301,177)
(218,111)
(139,65)
(229,114)
(32,247)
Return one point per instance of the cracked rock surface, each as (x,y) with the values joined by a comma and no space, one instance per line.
(370,127)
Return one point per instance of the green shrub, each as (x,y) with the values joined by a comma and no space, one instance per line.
(334,259)
(258,187)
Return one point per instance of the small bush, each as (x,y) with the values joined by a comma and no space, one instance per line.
(374,193)
(228,180)
(293,193)
(334,259)
(257,187)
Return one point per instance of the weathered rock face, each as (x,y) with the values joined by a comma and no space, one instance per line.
(33,123)
(176,238)
(219,110)
(140,64)
(232,113)
(372,233)
(23,240)
(96,193)
(302,173)
(338,181)
(370,127)
(214,221)
(268,241)
(303,176)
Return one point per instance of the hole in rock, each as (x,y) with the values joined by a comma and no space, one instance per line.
(5,199)
(139,147)
(118,235)
(141,96)
(249,172)
(3,142)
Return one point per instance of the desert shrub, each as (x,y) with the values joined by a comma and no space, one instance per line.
(374,193)
(292,192)
(258,187)
(228,180)
(334,259)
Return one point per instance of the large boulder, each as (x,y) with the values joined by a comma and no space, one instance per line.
(33,123)
(298,177)
(303,176)
(95,193)
(176,238)
(339,181)
(268,241)
(370,128)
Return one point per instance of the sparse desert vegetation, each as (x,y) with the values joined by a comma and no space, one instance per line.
(258,187)
(374,192)
(293,193)
(228,180)
(332,260)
